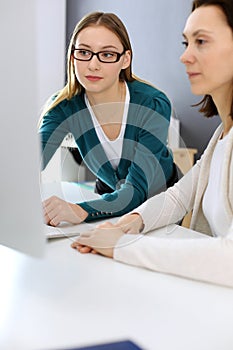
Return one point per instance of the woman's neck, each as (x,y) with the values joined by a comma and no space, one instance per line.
(223,103)
(115,94)
(227,125)
(108,106)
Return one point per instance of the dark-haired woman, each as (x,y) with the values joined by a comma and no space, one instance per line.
(207,189)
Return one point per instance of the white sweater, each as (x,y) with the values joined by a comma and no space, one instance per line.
(208,259)
(213,202)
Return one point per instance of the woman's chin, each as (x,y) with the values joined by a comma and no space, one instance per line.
(197,91)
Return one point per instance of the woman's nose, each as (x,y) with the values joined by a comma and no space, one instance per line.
(187,56)
(94,63)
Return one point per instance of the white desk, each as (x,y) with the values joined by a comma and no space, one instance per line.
(68,299)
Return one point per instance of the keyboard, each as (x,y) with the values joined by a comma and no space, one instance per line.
(62,231)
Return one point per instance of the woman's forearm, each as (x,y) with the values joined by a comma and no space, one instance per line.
(205,259)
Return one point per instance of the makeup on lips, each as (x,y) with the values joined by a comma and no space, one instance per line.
(93,78)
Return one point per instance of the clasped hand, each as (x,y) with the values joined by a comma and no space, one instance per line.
(100,240)
(103,239)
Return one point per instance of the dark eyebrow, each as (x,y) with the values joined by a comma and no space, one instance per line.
(197,32)
(103,48)
(85,45)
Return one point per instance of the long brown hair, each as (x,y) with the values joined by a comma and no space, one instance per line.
(208,107)
(115,25)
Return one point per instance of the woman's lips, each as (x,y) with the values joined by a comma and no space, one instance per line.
(193,75)
(93,78)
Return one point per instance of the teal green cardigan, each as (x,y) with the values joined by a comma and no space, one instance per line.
(146,164)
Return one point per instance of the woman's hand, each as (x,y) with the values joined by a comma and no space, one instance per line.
(130,223)
(57,210)
(102,240)
(109,234)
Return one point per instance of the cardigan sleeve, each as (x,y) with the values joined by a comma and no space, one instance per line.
(203,258)
(52,132)
(170,206)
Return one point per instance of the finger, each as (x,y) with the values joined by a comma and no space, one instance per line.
(49,213)
(46,219)
(51,221)
(86,234)
(54,217)
(45,202)
(46,205)
(106,224)
(81,248)
(75,244)
(84,240)
(55,221)
(46,209)
(81,243)
(85,250)
(49,200)
(52,205)
(132,231)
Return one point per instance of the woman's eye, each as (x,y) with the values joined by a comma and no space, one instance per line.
(201,41)
(185,43)
(84,52)
(107,54)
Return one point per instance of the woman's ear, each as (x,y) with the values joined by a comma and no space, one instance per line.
(127,59)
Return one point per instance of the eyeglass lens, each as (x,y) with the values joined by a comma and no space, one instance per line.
(103,56)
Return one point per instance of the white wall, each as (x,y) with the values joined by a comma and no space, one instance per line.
(32,49)
(51,49)
(51,61)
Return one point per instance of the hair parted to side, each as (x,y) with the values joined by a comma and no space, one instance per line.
(115,25)
(208,107)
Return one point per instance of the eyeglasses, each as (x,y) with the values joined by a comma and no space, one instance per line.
(103,56)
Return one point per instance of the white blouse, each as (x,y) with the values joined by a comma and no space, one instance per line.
(214,206)
(112,148)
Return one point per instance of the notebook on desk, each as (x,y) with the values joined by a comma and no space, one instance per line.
(119,345)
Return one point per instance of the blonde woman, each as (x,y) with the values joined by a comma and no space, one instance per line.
(120,124)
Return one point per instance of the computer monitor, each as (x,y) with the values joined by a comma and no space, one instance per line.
(21,222)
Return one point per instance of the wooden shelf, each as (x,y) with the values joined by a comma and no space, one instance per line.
(184,159)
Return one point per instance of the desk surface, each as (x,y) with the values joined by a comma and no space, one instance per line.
(68,299)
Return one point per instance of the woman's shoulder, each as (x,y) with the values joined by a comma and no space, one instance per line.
(145,88)
(76,100)
(144,94)
(68,106)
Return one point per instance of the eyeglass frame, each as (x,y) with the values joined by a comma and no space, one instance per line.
(97,55)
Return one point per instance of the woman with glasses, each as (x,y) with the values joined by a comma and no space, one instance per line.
(120,124)
(207,189)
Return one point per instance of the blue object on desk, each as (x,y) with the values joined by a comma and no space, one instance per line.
(121,345)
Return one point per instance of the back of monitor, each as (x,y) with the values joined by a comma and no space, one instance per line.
(21,213)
